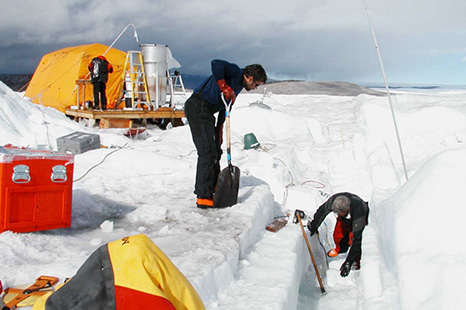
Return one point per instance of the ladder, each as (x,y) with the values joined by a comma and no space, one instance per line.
(176,86)
(133,88)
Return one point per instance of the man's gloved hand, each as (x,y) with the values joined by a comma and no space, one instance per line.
(345,269)
(227,91)
(313,230)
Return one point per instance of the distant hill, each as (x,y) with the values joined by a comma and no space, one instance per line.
(316,88)
(192,81)
(295,87)
(16,82)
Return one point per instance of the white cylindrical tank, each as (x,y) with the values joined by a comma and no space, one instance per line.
(154,57)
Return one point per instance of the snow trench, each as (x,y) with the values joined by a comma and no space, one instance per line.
(272,263)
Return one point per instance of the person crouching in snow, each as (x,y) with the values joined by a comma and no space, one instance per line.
(353,215)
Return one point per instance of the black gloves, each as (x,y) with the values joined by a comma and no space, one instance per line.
(313,230)
(345,269)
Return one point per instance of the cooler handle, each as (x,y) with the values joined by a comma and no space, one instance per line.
(21,174)
(58,174)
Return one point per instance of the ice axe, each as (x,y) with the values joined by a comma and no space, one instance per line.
(226,193)
(298,214)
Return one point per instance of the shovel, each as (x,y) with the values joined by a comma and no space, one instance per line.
(226,193)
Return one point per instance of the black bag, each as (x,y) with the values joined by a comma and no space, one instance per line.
(99,71)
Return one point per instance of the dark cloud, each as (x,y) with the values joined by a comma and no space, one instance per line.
(420,40)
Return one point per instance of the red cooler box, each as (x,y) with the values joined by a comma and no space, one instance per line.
(35,189)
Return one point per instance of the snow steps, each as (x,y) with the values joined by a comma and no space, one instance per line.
(264,261)
(253,213)
(274,267)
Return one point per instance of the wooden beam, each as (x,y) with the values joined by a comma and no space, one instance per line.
(127,114)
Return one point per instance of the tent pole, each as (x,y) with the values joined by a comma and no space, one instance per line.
(386,87)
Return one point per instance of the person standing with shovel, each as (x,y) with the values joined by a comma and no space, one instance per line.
(207,131)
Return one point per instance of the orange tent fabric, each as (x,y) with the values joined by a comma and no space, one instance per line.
(131,273)
(54,81)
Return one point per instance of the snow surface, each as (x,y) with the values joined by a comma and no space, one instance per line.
(311,146)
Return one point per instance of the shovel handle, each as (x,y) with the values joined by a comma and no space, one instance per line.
(227,120)
(321,284)
(227,105)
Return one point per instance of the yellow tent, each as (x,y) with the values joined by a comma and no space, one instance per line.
(54,81)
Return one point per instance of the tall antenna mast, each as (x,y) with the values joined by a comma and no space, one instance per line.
(387,88)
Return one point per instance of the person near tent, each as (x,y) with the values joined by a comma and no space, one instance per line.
(99,68)
(227,79)
(352,217)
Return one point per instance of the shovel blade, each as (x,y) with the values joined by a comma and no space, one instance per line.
(226,193)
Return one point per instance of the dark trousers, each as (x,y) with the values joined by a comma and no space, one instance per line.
(201,121)
(99,89)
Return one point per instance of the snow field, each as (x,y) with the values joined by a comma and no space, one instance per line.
(311,146)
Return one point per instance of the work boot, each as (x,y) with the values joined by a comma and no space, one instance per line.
(332,253)
(205,203)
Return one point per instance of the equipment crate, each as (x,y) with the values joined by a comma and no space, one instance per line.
(78,142)
(35,189)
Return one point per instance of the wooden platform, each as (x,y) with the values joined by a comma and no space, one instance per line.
(126,114)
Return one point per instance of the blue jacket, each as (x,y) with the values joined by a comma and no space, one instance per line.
(221,69)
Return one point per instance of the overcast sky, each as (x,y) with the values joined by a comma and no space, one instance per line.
(421,41)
